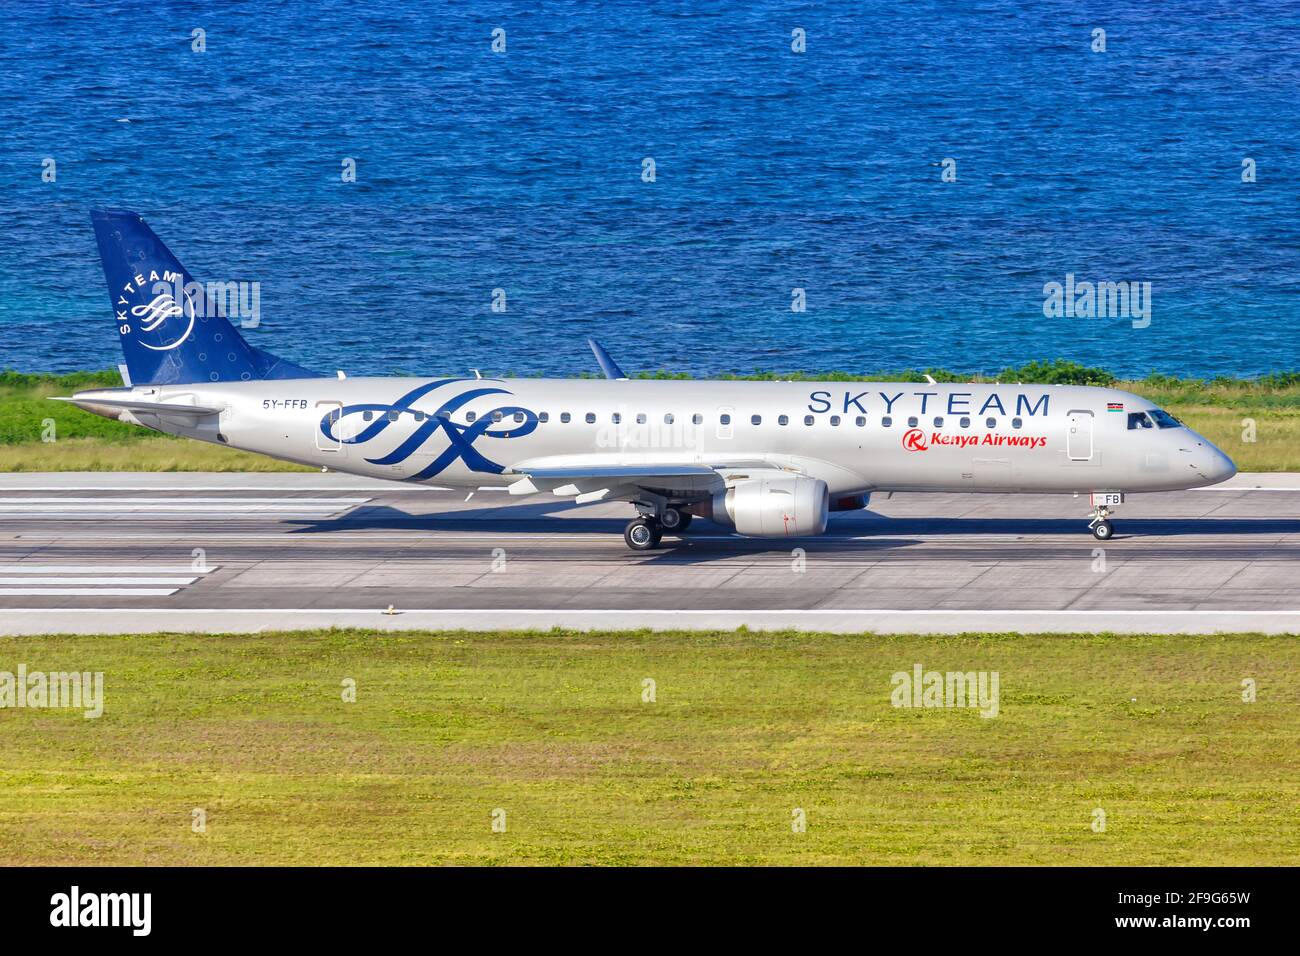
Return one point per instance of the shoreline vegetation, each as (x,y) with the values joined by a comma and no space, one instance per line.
(1255,420)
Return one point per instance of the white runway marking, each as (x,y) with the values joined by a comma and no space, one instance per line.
(179,582)
(129,506)
(134,500)
(171,508)
(100,569)
(120,514)
(417,534)
(864,622)
(688,612)
(1238,488)
(85,592)
(95,580)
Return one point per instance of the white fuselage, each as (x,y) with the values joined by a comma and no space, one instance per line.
(856,436)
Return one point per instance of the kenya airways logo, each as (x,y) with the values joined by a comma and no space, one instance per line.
(914,440)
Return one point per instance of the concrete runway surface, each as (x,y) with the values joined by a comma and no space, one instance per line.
(123,553)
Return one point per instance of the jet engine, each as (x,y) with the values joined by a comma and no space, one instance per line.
(770,507)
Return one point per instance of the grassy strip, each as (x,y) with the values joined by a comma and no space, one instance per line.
(745,728)
(1221,409)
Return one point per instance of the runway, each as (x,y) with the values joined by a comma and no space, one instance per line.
(121,553)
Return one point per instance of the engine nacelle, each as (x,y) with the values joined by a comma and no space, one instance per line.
(772,507)
(850,502)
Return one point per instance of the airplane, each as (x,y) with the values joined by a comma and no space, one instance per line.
(766,459)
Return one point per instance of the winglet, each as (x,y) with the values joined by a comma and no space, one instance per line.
(607,364)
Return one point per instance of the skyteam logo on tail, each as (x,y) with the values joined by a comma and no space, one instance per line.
(156,313)
(504,421)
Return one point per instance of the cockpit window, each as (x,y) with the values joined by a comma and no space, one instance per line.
(1138,420)
(1164,419)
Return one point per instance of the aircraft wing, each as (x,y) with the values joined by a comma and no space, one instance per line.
(595,482)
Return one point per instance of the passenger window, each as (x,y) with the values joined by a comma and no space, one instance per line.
(419,416)
(783,420)
(965,423)
(668,419)
(938,421)
(913,421)
(591,418)
(860,421)
(564,417)
(616,418)
(496,416)
(392,416)
(724,419)
(990,423)
(886,422)
(835,419)
(470,416)
(519,416)
(640,418)
(446,416)
(1016,423)
(807,419)
(697,419)
(756,419)
(367,416)
(543,417)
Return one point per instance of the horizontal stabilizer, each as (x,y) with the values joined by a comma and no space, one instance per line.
(150,408)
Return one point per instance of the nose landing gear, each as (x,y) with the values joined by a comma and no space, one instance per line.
(1101,527)
(1102,502)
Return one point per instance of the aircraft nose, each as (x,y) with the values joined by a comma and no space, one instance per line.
(1216,466)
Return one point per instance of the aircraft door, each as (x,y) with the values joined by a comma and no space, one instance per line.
(1078,439)
(334,412)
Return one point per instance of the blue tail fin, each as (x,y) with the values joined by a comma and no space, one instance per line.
(172,332)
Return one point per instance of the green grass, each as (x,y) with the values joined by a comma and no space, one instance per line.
(1218,408)
(551,728)
(37,434)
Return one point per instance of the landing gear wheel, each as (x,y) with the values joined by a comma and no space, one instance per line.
(1103,530)
(642,534)
(674,521)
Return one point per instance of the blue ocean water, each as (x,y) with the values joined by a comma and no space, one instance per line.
(522,171)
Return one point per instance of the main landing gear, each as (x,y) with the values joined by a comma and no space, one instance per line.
(645,532)
(674,520)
